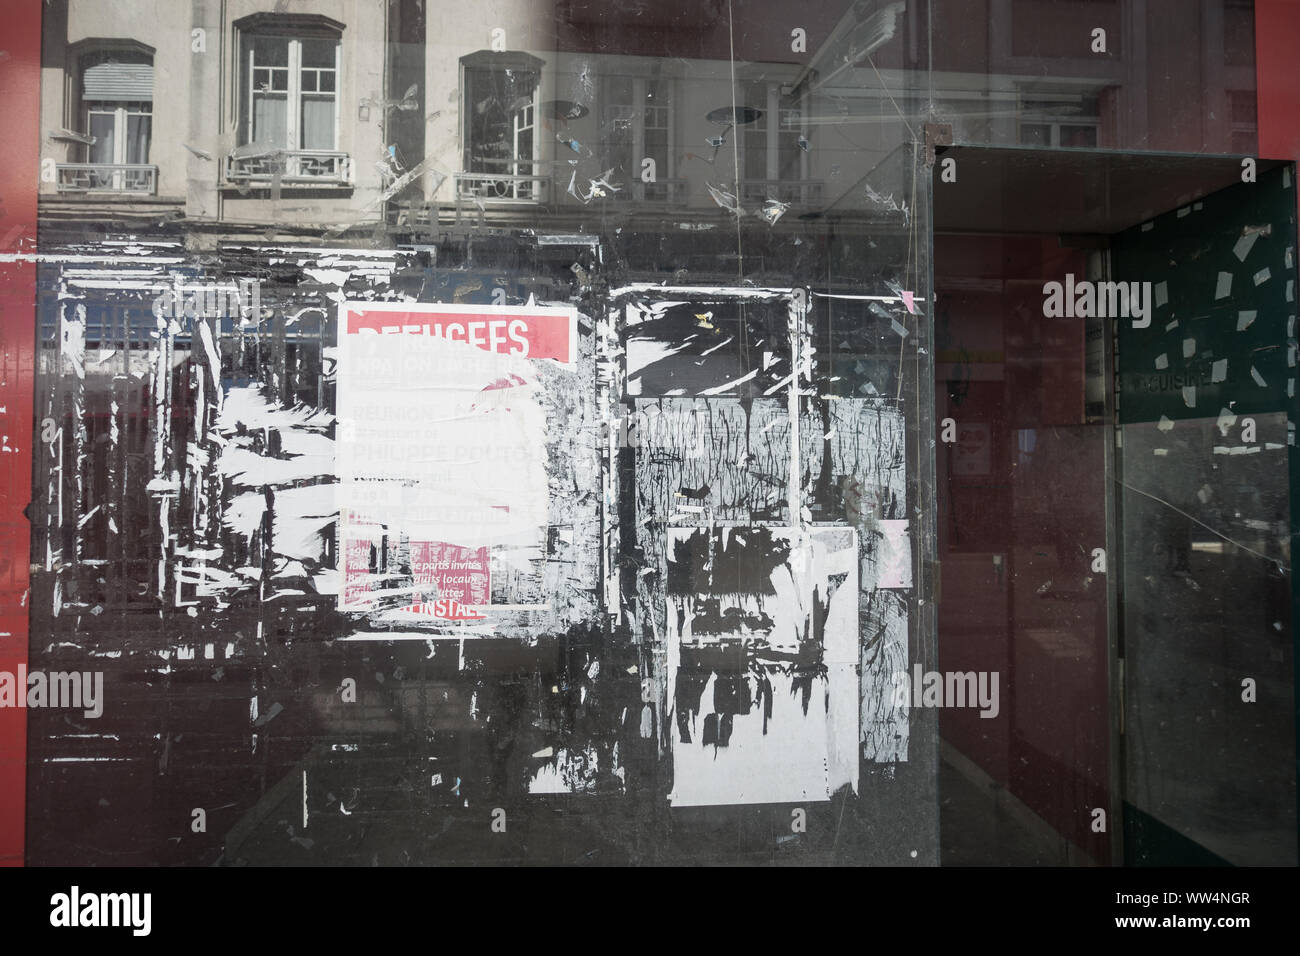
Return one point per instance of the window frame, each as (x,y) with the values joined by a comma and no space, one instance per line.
(483,63)
(635,113)
(293,94)
(77,109)
(121,113)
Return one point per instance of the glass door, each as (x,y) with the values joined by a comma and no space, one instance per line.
(1205,477)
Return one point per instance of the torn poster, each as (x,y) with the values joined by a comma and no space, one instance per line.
(715,343)
(762,664)
(442,450)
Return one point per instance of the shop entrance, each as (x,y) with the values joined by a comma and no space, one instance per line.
(1114,366)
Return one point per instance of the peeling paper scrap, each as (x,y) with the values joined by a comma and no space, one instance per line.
(1223,287)
(1242,247)
(742,735)
(893,561)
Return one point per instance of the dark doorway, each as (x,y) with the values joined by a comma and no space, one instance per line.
(1097,533)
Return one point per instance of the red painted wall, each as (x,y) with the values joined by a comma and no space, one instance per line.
(20,88)
(1277,37)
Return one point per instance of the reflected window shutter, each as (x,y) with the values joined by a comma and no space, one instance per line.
(118,81)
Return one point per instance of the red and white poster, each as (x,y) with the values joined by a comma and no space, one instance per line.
(447,571)
(443,488)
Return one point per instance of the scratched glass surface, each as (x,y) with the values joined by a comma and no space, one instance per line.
(641,433)
(1113,74)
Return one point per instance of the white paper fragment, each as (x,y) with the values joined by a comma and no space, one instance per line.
(1189,396)
(1227,418)
(1245,318)
(1161,452)
(1224,287)
(573,771)
(1162,294)
(1184,211)
(894,558)
(1165,424)
(1162,360)
(787,754)
(1259,379)
(1262,276)
(1219,371)
(1189,348)
(1242,247)
(773,210)
(1148,226)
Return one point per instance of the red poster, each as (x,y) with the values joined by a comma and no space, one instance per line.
(459,573)
(523,331)
(356,567)
(442,453)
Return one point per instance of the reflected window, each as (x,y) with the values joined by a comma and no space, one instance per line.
(772,144)
(636,125)
(290,92)
(288,97)
(1059,122)
(500,108)
(114,113)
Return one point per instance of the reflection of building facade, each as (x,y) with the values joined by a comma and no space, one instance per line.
(262,108)
(748,216)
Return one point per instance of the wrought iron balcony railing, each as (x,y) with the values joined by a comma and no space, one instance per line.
(290,166)
(500,187)
(106,178)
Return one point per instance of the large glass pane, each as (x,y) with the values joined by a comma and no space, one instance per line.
(646,423)
(1023,499)
(103,127)
(317,122)
(1207,525)
(1145,74)
(270,51)
(139,128)
(318,52)
(494,100)
(270,119)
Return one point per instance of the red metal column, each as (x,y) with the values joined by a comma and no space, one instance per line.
(20,95)
(1277,38)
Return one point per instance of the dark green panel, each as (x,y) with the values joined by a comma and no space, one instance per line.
(1188,250)
(1152,843)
